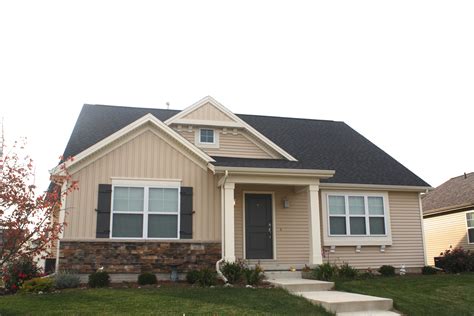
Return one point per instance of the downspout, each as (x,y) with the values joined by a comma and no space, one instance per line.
(218,269)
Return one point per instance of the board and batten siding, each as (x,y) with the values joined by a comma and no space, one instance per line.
(407,239)
(444,231)
(291,225)
(208,112)
(230,145)
(145,155)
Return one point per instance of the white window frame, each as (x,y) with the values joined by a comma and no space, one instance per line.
(214,144)
(146,185)
(467,226)
(360,239)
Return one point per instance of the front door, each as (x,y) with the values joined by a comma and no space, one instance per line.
(258,226)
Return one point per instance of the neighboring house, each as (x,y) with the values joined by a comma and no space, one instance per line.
(160,189)
(448,213)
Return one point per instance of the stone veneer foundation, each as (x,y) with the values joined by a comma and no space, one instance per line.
(137,256)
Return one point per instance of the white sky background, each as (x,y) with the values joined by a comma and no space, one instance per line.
(401,72)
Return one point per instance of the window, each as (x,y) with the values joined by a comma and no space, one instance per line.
(356,215)
(206,136)
(470,227)
(145,211)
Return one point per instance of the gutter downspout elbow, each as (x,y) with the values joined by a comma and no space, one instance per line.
(218,268)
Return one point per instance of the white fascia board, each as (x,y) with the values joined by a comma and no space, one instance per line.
(322,174)
(148,118)
(353,186)
(237,119)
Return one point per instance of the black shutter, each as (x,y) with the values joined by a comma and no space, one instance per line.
(186,225)
(103,211)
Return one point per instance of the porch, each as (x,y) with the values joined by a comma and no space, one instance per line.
(271,217)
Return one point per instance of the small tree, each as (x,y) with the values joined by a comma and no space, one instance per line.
(26,219)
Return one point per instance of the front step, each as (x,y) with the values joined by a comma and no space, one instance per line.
(302,285)
(273,275)
(343,302)
(369,313)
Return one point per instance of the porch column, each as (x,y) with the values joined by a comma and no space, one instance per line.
(315,256)
(229,230)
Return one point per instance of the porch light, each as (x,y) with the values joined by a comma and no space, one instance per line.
(358,248)
(286,203)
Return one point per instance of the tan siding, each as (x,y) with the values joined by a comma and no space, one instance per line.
(145,155)
(407,247)
(231,145)
(208,112)
(291,224)
(444,231)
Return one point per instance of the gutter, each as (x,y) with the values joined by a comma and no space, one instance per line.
(218,269)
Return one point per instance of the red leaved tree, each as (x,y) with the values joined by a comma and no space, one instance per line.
(27,227)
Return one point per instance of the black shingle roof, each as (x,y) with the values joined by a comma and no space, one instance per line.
(317,144)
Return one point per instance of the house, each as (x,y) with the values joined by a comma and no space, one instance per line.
(448,216)
(165,189)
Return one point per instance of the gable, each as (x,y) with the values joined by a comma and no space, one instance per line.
(208,112)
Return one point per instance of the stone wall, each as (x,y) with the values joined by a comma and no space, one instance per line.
(137,257)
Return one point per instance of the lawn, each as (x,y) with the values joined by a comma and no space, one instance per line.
(165,300)
(421,294)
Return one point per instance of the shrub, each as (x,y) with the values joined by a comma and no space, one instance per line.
(233,271)
(387,270)
(99,279)
(253,276)
(207,277)
(457,260)
(18,271)
(66,280)
(147,278)
(192,276)
(345,271)
(324,272)
(428,270)
(37,285)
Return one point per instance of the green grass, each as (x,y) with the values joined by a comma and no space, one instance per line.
(164,300)
(421,294)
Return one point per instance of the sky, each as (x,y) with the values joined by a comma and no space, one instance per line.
(401,73)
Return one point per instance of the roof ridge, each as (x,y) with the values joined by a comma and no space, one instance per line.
(130,107)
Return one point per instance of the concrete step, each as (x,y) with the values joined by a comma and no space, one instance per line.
(302,285)
(343,302)
(369,313)
(272,275)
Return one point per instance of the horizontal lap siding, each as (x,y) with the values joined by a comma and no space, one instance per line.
(144,155)
(444,231)
(291,224)
(407,240)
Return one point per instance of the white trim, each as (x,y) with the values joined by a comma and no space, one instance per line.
(214,123)
(197,138)
(272,194)
(148,118)
(376,187)
(356,240)
(146,185)
(425,255)
(234,117)
(467,227)
(322,174)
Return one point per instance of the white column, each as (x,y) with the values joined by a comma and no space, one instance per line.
(315,256)
(229,230)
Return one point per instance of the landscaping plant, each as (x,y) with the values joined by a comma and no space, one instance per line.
(17,271)
(324,272)
(428,270)
(37,285)
(203,277)
(254,276)
(457,260)
(345,271)
(192,277)
(387,270)
(233,271)
(66,280)
(147,278)
(99,279)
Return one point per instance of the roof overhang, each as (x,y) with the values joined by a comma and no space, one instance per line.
(449,209)
(321,174)
(374,187)
(146,119)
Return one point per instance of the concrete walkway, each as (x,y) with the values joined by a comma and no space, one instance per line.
(340,303)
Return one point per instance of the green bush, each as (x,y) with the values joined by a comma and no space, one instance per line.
(345,271)
(457,260)
(193,276)
(254,276)
(428,270)
(233,271)
(14,273)
(99,279)
(387,270)
(37,285)
(147,278)
(66,280)
(324,272)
